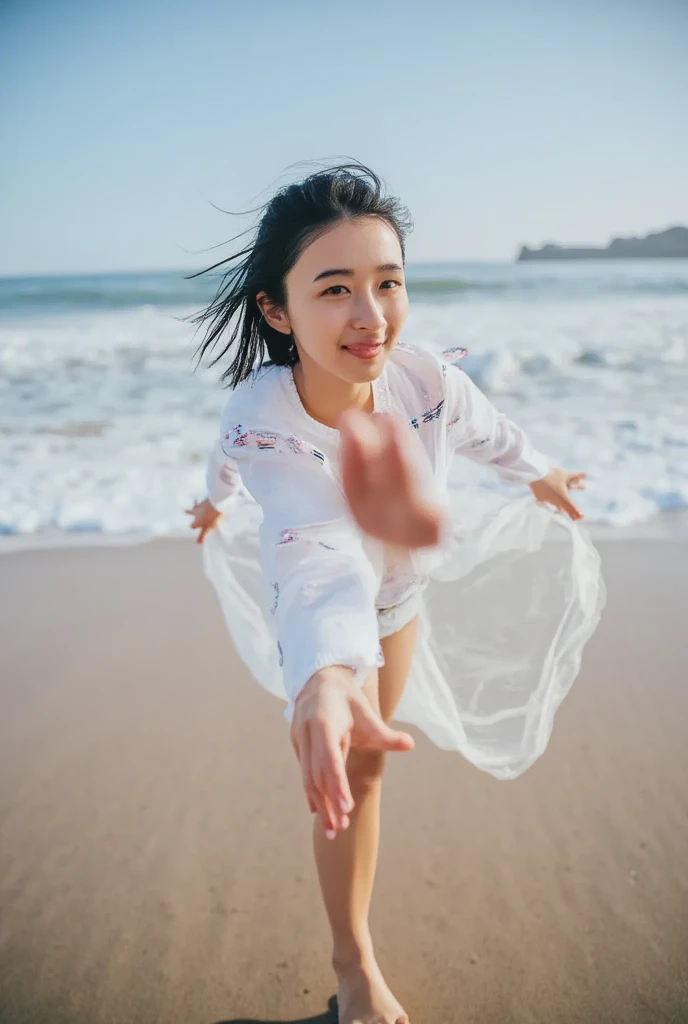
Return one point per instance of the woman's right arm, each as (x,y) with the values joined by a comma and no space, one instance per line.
(322,589)
(223,479)
(223,482)
(331,715)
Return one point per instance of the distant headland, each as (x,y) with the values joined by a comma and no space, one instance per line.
(657,245)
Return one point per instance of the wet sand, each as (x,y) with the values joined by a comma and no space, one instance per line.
(156,861)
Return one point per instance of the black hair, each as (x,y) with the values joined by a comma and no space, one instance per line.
(293,218)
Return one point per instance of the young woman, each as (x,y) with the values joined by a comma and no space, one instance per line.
(346,583)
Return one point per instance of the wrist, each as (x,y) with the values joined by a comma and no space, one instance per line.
(337,674)
(331,673)
(222,507)
(545,476)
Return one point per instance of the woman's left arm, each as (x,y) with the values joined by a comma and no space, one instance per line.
(479,431)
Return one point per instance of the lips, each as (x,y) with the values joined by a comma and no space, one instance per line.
(364,350)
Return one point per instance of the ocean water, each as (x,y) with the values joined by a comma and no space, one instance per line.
(105,426)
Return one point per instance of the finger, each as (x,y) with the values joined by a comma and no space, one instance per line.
(301,744)
(328,818)
(423,520)
(395,740)
(354,456)
(567,506)
(330,775)
(338,787)
(334,819)
(315,802)
(369,430)
(378,734)
(425,527)
(313,794)
(321,810)
(393,469)
(345,747)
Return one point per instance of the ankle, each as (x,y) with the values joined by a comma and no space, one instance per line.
(353,953)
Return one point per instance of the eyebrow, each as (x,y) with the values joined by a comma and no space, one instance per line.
(343,272)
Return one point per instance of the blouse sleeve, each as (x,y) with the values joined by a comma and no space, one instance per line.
(479,431)
(320,584)
(223,479)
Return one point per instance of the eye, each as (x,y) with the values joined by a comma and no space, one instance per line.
(332,290)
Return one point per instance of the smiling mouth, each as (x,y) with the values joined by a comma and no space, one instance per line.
(364,349)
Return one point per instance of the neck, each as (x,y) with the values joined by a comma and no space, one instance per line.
(325,397)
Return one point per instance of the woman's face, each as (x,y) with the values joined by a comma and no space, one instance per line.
(347,300)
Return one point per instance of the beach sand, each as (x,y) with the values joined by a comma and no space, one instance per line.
(156,860)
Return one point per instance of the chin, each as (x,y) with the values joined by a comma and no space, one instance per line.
(364,370)
(371,370)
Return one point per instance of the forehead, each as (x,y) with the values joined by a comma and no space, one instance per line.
(359,245)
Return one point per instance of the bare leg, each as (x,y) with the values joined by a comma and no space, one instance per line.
(346,865)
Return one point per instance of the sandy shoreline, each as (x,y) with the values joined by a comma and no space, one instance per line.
(156,859)
(668,525)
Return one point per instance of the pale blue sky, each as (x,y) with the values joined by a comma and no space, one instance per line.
(497,123)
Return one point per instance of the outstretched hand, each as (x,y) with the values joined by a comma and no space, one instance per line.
(331,715)
(381,484)
(554,489)
(205,518)
(384,493)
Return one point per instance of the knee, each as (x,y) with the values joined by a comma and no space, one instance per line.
(365,768)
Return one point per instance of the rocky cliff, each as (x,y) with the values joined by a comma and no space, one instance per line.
(657,245)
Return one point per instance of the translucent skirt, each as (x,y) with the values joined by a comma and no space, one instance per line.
(504,620)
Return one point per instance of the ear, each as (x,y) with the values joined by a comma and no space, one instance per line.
(274,315)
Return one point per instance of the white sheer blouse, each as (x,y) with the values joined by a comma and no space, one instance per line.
(292,559)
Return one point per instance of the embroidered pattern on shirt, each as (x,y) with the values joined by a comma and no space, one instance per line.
(428,416)
(287,537)
(433,414)
(330,547)
(281,656)
(240,437)
(275,587)
(481,442)
(453,355)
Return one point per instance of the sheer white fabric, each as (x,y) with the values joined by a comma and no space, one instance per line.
(507,602)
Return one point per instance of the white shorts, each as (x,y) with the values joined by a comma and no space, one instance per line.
(391,620)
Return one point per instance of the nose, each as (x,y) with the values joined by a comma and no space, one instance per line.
(367,313)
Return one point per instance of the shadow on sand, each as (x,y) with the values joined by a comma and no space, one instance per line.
(330,1016)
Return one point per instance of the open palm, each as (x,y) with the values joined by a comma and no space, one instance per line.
(381,485)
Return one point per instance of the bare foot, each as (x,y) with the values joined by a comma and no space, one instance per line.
(364,997)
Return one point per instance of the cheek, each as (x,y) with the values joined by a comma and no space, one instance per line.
(317,323)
